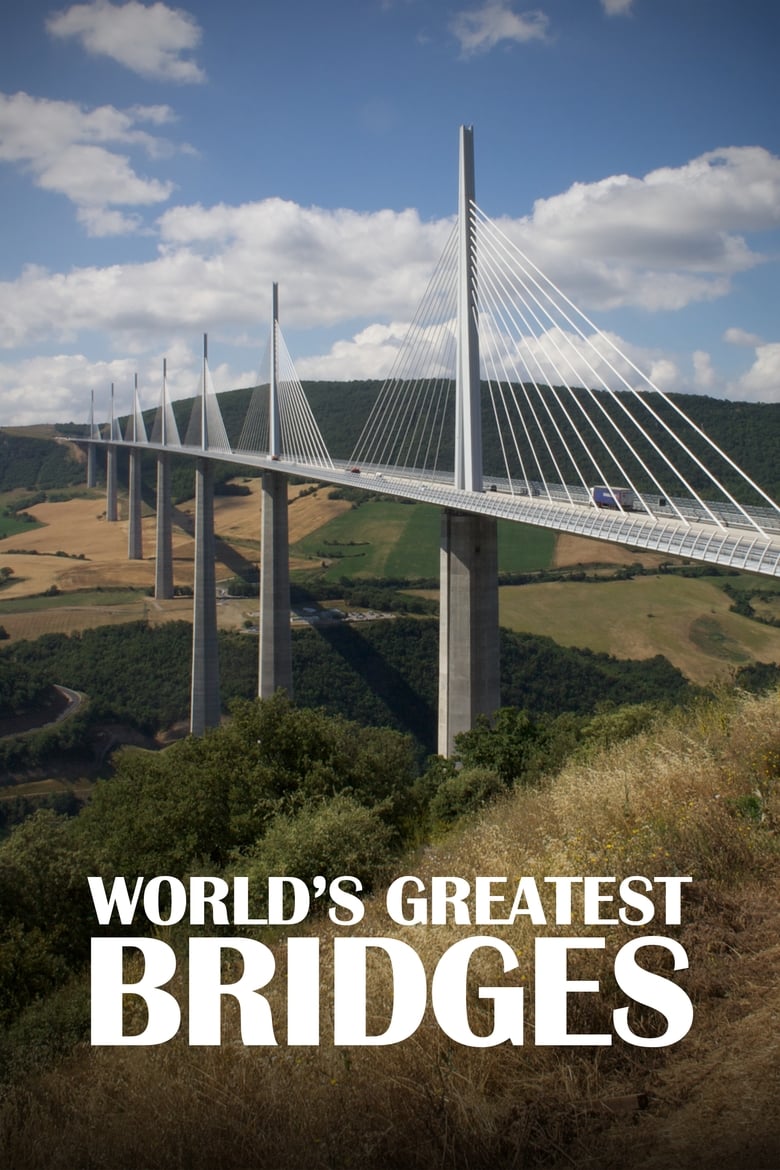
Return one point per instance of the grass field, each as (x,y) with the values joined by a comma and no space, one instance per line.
(688,620)
(86,599)
(12,526)
(685,619)
(387,538)
(70,613)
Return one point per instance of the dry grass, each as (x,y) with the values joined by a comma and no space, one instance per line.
(79,527)
(698,796)
(582,550)
(685,619)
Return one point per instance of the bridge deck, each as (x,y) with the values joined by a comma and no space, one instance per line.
(731,542)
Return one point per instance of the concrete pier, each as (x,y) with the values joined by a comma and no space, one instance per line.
(275,664)
(111,504)
(163,566)
(91,466)
(469,677)
(134,532)
(204,703)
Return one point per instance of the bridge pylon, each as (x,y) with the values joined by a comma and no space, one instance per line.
(111,494)
(163,560)
(137,433)
(468,588)
(205,705)
(275,653)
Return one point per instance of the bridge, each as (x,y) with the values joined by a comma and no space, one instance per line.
(505,402)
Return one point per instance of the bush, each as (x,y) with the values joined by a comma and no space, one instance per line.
(465,792)
(337,836)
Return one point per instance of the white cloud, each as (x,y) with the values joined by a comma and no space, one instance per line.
(662,241)
(704,375)
(214,264)
(372,353)
(736,336)
(66,149)
(658,244)
(481,29)
(762,381)
(91,176)
(677,236)
(617,7)
(557,356)
(149,39)
(57,388)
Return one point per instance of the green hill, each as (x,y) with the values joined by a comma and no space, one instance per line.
(748,432)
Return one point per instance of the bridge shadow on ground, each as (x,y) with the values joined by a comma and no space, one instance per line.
(411,711)
(230,557)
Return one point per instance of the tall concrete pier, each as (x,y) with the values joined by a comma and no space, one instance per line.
(163,564)
(275,666)
(111,504)
(204,695)
(204,701)
(134,532)
(469,679)
(136,432)
(468,633)
(111,501)
(275,661)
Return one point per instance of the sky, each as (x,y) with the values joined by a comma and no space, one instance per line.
(161,167)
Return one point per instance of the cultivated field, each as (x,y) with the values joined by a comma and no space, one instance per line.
(77,549)
(687,620)
(392,538)
(581,550)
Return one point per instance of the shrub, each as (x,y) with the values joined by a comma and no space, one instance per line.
(465,792)
(337,836)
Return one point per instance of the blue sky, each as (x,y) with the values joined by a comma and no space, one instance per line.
(160,166)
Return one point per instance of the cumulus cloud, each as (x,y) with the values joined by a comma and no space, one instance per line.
(149,39)
(660,242)
(704,375)
(663,241)
(71,150)
(479,30)
(57,388)
(736,336)
(347,265)
(62,382)
(617,7)
(762,380)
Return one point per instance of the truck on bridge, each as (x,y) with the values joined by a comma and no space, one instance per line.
(618,497)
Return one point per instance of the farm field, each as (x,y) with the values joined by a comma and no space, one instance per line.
(13,526)
(74,548)
(582,550)
(388,538)
(686,619)
(32,621)
(78,553)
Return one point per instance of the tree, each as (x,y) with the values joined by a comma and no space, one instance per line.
(505,746)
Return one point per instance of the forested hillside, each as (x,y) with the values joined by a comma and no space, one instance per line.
(380,674)
(281,791)
(31,463)
(748,432)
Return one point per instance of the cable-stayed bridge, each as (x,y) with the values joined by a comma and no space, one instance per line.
(505,401)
